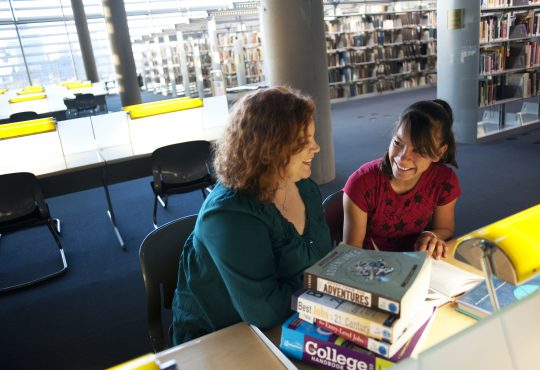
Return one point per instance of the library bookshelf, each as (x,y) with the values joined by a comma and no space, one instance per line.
(182,61)
(495,91)
(380,46)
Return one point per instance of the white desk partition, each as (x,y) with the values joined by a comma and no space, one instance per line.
(150,133)
(506,340)
(112,135)
(39,154)
(215,117)
(78,143)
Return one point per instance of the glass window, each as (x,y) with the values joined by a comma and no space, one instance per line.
(12,69)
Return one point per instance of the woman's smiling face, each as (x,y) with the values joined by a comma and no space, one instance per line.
(407,164)
(300,164)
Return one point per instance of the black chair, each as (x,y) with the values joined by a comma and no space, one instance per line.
(22,206)
(85,104)
(23,116)
(71,107)
(160,257)
(333,214)
(181,168)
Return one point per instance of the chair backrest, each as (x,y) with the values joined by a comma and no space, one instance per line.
(85,101)
(333,214)
(20,194)
(70,103)
(23,116)
(159,255)
(182,162)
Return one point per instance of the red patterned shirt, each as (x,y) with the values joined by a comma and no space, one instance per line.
(396,220)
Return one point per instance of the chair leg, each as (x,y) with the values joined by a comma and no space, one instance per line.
(154,215)
(163,202)
(51,225)
(203,193)
(57,224)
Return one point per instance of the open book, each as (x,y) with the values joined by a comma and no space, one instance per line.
(448,281)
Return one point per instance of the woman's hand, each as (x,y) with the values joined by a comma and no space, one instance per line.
(428,241)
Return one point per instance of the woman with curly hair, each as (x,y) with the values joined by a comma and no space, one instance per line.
(262,224)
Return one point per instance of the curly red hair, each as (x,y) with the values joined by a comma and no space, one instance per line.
(265,129)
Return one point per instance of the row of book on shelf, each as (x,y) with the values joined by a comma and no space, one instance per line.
(509,86)
(381,84)
(352,56)
(365,309)
(485,4)
(370,22)
(349,40)
(497,59)
(382,69)
(509,25)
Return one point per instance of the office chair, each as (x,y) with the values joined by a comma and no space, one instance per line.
(180,168)
(159,255)
(23,116)
(85,103)
(333,214)
(71,107)
(22,206)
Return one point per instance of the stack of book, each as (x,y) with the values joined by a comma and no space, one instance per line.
(360,309)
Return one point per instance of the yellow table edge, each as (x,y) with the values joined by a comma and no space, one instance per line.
(163,106)
(28,98)
(25,128)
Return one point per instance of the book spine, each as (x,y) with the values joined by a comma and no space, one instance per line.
(361,340)
(327,354)
(351,294)
(310,311)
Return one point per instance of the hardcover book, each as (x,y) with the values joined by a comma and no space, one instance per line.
(407,339)
(306,342)
(379,325)
(312,344)
(390,281)
(476,303)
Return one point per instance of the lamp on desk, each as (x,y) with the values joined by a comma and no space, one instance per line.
(508,249)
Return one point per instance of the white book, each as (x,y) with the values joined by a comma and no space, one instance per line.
(448,281)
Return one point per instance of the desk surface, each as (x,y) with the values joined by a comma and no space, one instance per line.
(72,157)
(54,102)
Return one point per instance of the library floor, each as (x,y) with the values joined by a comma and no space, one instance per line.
(94,316)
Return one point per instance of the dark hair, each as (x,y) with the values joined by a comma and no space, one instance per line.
(429,124)
(265,129)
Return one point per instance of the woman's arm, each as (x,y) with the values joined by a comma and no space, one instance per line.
(443,224)
(354,223)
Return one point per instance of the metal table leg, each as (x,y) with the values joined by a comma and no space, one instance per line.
(110,210)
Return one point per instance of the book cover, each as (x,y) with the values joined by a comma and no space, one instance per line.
(476,302)
(388,281)
(310,344)
(379,325)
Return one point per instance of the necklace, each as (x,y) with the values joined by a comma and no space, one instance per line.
(282,205)
(284,208)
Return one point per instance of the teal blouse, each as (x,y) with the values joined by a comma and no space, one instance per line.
(243,261)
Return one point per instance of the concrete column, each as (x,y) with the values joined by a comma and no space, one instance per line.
(457,63)
(124,64)
(294,49)
(85,42)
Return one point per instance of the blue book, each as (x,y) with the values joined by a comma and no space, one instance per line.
(312,344)
(477,304)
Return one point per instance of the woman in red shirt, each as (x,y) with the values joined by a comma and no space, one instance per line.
(405,201)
